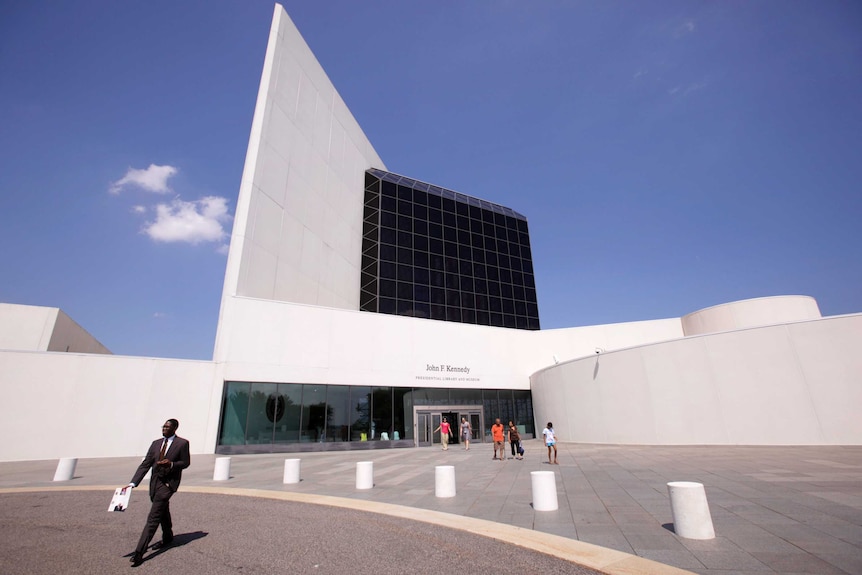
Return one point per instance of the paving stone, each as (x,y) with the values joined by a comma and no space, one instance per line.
(796,563)
(731,560)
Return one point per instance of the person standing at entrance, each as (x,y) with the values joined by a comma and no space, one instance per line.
(497,435)
(445,429)
(167,457)
(466,432)
(550,441)
(514,440)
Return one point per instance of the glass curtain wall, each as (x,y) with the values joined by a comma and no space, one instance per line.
(292,413)
(434,253)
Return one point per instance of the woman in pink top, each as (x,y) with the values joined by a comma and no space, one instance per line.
(445,429)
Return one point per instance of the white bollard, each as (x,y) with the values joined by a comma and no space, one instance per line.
(544,490)
(690,510)
(221,472)
(364,474)
(291,470)
(444,481)
(65,469)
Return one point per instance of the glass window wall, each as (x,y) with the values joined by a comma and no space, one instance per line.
(271,416)
(486,249)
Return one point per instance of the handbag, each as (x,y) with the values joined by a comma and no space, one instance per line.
(520,449)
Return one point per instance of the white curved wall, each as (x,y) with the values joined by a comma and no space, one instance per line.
(747,313)
(792,384)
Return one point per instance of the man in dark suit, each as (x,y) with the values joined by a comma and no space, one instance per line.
(167,457)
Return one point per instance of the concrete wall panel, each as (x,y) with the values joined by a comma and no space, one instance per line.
(100,405)
(299,172)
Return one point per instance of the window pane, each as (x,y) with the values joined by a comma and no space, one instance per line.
(235,413)
(360,402)
(402,413)
(405,273)
(421,310)
(313,413)
(261,413)
(387,236)
(338,413)
(387,270)
(524,410)
(423,293)
(290,402)
(387,253)
(387,288)
(405,240)
(381,412)
(420,276)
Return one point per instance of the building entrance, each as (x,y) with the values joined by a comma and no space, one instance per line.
(428,419)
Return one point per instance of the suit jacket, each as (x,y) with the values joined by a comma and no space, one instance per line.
(178,454)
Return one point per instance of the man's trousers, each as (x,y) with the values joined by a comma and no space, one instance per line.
(160,514)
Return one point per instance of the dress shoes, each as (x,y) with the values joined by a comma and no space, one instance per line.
(137,559)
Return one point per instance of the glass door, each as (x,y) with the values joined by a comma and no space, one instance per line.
(426,423)
(475,420)
(427,420)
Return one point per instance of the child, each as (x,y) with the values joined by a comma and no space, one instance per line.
(550,441)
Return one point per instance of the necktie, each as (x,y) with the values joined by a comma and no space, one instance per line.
(164,448)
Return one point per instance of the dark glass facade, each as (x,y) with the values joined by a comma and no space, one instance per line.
(433,253)
(286,417)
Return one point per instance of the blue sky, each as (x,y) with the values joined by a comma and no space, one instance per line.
(669,156)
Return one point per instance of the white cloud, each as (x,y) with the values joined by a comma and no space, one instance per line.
(152,179)
(223,249)
(160,315)
(189,222)
(694,87)
(686,27)
(139,209)
(683,91)
(639,73)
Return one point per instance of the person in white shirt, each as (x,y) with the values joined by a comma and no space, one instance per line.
(550,441)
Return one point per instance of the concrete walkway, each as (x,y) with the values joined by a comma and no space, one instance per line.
(775,509)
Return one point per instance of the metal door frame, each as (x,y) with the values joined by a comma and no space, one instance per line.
(431,414)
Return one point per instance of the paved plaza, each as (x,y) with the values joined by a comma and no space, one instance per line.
(775,509)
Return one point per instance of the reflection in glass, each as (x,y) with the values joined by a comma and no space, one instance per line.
(281,414)
(360,402)
(287,430)
(263,411)
(338,413)
(524,410)
(431,396)
(381,412)
(402,413)
(313,413)
(234,413)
